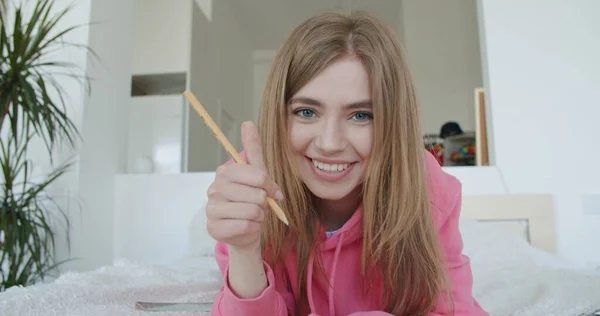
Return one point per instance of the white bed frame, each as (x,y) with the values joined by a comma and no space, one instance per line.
(531,216)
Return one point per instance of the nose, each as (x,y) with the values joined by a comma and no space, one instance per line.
(330,139)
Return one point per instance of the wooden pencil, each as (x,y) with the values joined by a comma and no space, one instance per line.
(214,128)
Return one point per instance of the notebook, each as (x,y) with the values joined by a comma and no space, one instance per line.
(173,307)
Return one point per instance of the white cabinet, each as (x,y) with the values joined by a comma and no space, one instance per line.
(155,134)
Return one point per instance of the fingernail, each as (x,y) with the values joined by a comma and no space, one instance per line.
(245,126)
(253,130)
(279,195)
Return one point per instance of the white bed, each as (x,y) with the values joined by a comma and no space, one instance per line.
(509,238)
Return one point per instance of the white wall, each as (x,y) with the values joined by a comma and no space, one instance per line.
(161,38)
(205,7)
(235,67)
(86,193)
(442,46)
(543,79)
(202,147)
(104,130)
(222,79)
(441,41)
(260,73)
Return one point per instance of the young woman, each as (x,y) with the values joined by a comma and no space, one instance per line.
(373,218)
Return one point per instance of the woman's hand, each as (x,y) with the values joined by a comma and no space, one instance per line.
(237,202)
(237,199)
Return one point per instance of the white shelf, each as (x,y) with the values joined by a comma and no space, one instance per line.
(454,143)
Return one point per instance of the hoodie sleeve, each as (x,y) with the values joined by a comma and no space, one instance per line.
(273,301)
(458,265)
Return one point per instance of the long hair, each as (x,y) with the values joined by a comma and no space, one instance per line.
(399,240)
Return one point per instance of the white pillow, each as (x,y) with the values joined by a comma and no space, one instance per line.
(201,243)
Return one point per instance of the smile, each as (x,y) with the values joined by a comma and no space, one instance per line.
(339,167)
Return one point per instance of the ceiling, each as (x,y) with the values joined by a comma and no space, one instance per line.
(267,22)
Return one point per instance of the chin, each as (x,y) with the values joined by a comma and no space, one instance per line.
(332,189)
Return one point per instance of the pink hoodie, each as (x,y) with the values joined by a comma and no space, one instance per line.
(341,255)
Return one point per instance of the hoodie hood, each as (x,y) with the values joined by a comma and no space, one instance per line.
(352,230)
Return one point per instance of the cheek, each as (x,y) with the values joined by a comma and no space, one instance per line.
(299,137)
(362,141)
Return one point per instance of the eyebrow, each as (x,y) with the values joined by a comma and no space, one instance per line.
(354,105)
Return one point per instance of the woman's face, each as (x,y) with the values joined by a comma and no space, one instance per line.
(330,129)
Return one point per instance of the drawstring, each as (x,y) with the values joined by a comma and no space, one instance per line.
(311,261)
(311,304)
(334,266)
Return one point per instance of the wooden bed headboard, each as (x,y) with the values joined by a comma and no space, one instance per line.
(531,216)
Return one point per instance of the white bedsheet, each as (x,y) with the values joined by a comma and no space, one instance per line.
(511,278)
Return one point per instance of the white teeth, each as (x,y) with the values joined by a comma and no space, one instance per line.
(330,167)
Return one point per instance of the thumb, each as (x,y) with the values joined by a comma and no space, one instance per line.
(252,145)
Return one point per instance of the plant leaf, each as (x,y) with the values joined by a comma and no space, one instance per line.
(32,107)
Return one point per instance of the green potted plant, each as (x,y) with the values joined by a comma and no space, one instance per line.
(32,112)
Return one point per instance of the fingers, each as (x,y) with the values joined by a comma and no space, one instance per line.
(235,210)
(235,192)
(252,145)
(230,228)
(245,175)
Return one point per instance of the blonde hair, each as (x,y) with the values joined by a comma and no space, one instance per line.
(400,244)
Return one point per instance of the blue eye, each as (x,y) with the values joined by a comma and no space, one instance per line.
(306,113)
(362,116)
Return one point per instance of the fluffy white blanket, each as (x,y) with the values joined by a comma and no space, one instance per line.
(113,290)
(511,278)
